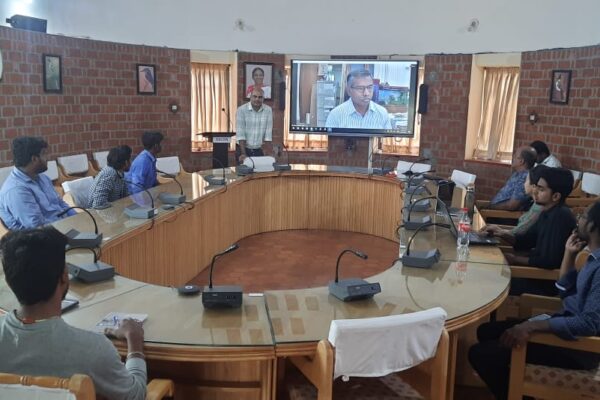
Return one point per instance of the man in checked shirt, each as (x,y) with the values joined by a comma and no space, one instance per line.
(254,122)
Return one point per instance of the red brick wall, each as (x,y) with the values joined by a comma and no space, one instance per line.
(99,107)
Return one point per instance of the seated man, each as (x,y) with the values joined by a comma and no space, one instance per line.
(580,292)
(512,195)
(34,340)
(27,198)
(545,239)
(109,184)
(543,155)
(142,174)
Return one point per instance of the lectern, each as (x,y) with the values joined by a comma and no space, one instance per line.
(220,141)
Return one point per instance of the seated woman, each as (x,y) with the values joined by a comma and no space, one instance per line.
(109,185)
(527,219)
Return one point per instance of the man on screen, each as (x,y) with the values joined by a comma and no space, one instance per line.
(359,111)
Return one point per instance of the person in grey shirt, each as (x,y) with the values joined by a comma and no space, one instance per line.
(109,185)
(34,340)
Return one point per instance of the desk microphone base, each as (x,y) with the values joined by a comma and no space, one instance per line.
(421,259)
(353,289)
(83,239)
(222,297)
(171,198)
(282,167)
(135,211)
(92,272)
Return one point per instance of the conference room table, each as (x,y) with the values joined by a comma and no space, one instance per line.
(236,353)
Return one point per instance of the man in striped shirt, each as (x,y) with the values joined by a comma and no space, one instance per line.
(254,126)
(359,111)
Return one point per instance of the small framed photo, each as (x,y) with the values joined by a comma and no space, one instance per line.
(561,83)
(258,75)
(146,79)
(52,73)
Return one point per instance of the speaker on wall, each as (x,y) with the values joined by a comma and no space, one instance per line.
(423,98)
(27,23)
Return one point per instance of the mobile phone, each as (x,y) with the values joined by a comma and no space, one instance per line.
(68,304)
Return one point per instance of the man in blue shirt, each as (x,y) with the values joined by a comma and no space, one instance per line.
(512,195)
(580,292)
(27,198)
(359,111)
(142,174)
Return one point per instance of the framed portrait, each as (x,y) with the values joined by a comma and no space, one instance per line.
(561,83)
(52,73)
(258,75)
(146,79)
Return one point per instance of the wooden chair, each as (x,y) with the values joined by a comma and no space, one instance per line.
(52,173)
(81,386)
(4,174)
(428,376)
(462,179)
(99,160)
(590,189)
(170,165)
(77,191)
(549,382)
(487,213)
(74,167)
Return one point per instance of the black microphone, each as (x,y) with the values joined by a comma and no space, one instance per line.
(79,239)
(97,271)
(136,211)
(170,198)
(410,172)
(353,288)
(221,296)
(421,259)
(231,248)
(229,124)
(212,179)
(283,167)
(438,182)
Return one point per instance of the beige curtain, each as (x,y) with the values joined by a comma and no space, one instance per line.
(210,94)
(496,132)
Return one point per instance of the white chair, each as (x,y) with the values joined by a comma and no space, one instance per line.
(77,191)
(463,179)
(590,183)
(260,164)
(375,347)
(52,171)
(405,166)
(72,167)
(170,165)
(576,175)
(587,193)
(100,159)
(4,173)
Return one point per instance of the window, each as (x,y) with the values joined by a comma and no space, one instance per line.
(493,107)
(210,95)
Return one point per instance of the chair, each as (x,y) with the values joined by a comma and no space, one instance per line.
(487,213)
(80,387)
(577,192)
(551,383)
(404,333)
(99,160)
(404,166)
(590,186)
(170,165)
(77,191)
(462,179)
(4,173)
(73,167)
(52,173)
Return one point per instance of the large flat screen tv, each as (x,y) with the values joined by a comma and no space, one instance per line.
(354,98)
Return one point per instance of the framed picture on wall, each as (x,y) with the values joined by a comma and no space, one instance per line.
(146,79)
(52,73)
(561,83)
(258,75)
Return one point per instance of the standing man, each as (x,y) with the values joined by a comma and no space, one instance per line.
(142,173)
(28,198)
(359,111)
(543,155)
(254,122)
(35,340)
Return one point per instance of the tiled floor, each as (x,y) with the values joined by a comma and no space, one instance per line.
(299,259)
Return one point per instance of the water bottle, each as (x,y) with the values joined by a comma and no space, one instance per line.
(464,227)
(470,201)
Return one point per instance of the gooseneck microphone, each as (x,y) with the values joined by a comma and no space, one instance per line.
(229,124)
(82,239)
(283,167)
(352,289)
(214,180)
(136,211)
(382,161)
(421,259)
(97,271)
(170,198)
(410,171)
(221,296)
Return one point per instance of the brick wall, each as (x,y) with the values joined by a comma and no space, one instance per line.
(99,106)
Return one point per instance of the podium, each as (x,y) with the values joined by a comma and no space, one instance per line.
(220,141)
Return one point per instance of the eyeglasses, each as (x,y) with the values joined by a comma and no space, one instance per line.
(363,88)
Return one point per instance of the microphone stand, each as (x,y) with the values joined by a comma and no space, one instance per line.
(352,289)
(78,239)
(212,179)
(283,167)
(230,296)
(421,259)
(170,198)
(138,212)
(243,169)
(337,264)
(231,248)
(91,272)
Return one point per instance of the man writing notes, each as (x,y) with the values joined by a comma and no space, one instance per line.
(254,126)
(359,111)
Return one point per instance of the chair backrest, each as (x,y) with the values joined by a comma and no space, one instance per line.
(4,173)
(362,346)
(75,164)
(170,165)
(576,175)
(52,171)
(404,166)
(100,158)
(79,190)
(16,387)
(463,179)
(590,183)
(260,164)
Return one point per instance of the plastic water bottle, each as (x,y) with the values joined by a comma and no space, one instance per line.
(464,227)
(470,201)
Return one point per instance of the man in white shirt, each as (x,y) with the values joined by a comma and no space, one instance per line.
(359,111)
(543,155)
(254,126)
